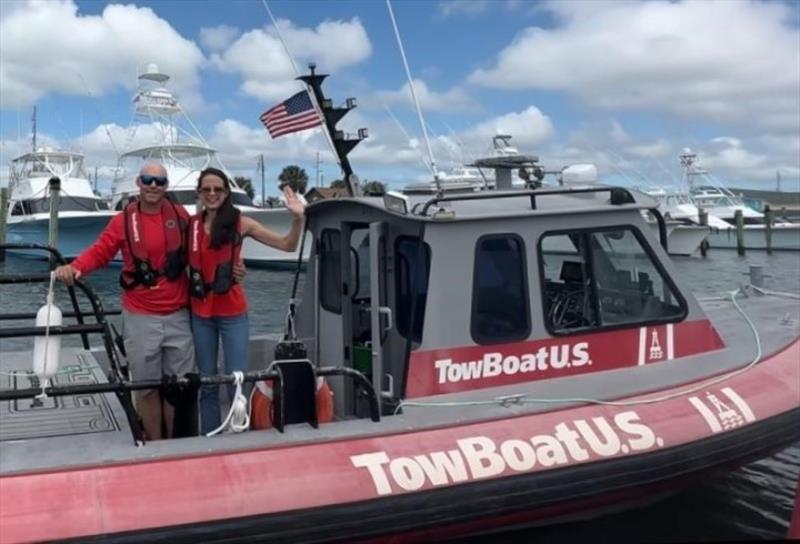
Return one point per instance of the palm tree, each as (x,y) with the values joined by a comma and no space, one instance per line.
(373,188)
(295,177)
(245,184)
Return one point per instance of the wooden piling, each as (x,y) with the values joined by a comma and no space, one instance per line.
(768,228)
(55,202)
(4,197)
(739,217)
(702,215)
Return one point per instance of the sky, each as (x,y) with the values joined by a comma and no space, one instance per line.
(623,85)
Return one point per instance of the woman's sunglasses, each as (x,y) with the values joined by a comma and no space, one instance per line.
(160,181)
(209,190)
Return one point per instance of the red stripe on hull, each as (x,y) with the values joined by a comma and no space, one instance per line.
(140,495)
(451,370)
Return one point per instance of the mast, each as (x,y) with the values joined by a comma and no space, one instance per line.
(263,181)
(34,129)
(342,143)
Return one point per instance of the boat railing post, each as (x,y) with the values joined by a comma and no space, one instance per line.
(739,217)
(4,197)
(55,200)
(703,218)
(768,228)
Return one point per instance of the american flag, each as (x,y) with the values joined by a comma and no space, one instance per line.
(293,114)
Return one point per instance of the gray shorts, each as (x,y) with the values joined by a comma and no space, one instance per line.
(158,344)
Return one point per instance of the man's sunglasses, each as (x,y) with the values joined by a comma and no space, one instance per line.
(160,181)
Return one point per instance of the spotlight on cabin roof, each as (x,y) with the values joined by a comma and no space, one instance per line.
(395,202)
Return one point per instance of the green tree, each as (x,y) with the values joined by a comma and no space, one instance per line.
(338,184)
(295,177)
(273,202)
(245,184)
(373,188)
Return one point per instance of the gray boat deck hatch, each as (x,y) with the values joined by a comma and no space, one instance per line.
(56,416)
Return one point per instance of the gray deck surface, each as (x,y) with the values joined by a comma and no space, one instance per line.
(92,429)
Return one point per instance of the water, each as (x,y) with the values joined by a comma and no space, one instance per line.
(754,502)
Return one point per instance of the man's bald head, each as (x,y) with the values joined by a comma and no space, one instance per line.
(153,168)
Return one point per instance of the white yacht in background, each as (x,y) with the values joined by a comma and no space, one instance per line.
(82,215)
(721,205)
(179,146)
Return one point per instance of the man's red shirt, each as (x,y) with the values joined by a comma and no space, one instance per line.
(163,298)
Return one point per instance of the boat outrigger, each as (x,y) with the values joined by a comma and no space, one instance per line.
(499,358)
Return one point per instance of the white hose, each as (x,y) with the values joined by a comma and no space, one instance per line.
(238,419)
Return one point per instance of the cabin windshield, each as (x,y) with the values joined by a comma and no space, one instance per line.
(596,279)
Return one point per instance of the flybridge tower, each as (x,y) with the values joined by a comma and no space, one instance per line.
(342,143)
(690,169)
(157,105)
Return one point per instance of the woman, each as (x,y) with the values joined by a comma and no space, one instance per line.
(219,304)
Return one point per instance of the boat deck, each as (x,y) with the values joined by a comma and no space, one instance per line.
(54,433)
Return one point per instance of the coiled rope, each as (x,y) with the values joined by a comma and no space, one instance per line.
(238,418)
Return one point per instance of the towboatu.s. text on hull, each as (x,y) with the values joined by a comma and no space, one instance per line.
(510,357)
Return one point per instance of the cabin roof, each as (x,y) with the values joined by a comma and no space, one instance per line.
(504,204)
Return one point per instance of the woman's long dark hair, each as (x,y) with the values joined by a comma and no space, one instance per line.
(223,228)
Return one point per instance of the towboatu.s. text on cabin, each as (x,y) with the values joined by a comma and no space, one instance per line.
(496,358)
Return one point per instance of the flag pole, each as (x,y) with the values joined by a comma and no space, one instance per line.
(297,74)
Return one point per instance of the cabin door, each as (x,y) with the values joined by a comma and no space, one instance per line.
(381,318)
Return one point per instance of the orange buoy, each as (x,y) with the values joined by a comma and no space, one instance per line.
(261,404)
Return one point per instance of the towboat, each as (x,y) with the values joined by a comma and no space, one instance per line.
(501,358)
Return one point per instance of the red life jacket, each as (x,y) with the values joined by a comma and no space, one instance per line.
(143,272)
(222,258)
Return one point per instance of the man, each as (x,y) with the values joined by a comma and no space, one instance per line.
(151,234)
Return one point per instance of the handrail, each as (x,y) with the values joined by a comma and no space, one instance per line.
(126,387)
(619,195)
(57,258)
(103,327)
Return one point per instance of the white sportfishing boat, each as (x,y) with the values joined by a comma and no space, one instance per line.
(183,151)
(82,215)
(721,203)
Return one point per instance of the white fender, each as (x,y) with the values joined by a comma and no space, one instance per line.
(47,349)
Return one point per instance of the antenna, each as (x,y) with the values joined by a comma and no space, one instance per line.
(414,96)
(408,138)
(34,129)
(778,180)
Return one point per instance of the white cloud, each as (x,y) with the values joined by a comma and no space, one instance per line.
(48,46)
(217,38)
(260,58)
(529,128)
(472,8)
(450,8)
(452,100)
(736,61)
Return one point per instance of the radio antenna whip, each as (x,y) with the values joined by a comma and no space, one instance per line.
(414,97)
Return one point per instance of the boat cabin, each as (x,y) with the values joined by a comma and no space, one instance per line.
(430,296)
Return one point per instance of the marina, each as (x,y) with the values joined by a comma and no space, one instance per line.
(510,379)
(521,344)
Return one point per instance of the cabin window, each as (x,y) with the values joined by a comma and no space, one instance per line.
(500,309)
(413,269)
(604,278)
(330,272)
(17,209)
